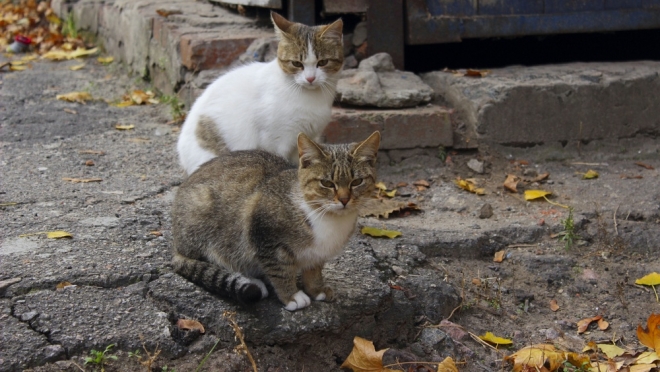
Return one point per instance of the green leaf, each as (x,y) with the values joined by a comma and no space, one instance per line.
(372,231)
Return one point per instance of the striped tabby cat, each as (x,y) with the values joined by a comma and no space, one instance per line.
(249,216)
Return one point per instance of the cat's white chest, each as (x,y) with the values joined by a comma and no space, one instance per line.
(331,233)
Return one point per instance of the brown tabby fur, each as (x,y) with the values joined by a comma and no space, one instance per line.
(242,213)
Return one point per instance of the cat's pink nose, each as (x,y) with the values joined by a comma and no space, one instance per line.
(344,201)
(310,79)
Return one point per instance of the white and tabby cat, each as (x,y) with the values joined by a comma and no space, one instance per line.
(248,216)
(265,105)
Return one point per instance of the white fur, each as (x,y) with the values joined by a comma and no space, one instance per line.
(262,286)
(300,301)
(259,106)
(320,297)
(331,232)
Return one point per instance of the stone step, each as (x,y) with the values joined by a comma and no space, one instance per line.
(427,126)
(524,106)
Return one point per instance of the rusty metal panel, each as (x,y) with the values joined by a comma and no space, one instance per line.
(452,7)
(345,6)
(623,4)
(509,7)
(565,6)
(385,30)
(431,30)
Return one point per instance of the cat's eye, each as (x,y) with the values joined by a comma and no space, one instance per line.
(328,184)
(357,182)
(297,64)
(322,63)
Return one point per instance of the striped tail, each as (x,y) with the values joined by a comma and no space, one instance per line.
(219,280)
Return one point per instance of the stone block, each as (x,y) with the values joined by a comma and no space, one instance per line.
(208,50)
(272,4)
(428,126)
(523,106)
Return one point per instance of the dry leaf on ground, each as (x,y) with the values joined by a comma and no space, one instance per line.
(79,97)
(511,182)
(603,324)
(490,337)
(76,67)
(469,185)
(60,286)
(105,60)
(82,180)
(365,358)
(189,325)
(476,73)
(647,357)
(124,126)
(539,356)
(641,367)
(541,177)
(612,351)
(536,194)
(167,12)
(60,54)
(650,336)
(591,174)
(499,256)
(553,305)
(644,165)
(58,235)
(423,183)
(375,232)
(384,207)
(609,366)
(447,365)
(584,323)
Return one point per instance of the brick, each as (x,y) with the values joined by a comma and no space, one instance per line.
(428,126)
(203,51)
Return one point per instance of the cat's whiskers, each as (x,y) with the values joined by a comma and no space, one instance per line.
(317,213)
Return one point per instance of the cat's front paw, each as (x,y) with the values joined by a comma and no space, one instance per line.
(298,301)
(326,294)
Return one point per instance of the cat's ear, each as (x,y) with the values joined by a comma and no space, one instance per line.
(333,30)
(282,25)
(309,151)
(367,150)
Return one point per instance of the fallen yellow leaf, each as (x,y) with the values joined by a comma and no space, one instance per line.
(609,366)
(365,358)
(651,335)
(381,186)
(535,194)
(390,194)
(553,305)
(375,232)
(79,97)
(189,324)
(468,185)
(124,127)
(603,324)
(590,174)
(647,357)
(105,60)
(651,279)
(58,235)
(612,351)
(77,67)
(82,180)
(535,357)
(490,337)
(447,365)
(59,54)
(125,103)
(14,67)
(641,367)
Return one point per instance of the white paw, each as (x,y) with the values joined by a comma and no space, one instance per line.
(300,300)
(320,296)
(262,286)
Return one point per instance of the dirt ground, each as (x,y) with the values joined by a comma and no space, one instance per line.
(616,218)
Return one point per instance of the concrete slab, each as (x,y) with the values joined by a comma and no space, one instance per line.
(524,106)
